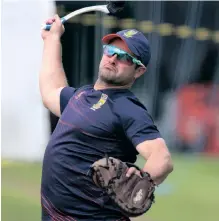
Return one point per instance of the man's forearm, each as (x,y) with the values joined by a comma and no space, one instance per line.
(52,73)
(158,166)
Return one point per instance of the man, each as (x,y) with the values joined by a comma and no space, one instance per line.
(99,119)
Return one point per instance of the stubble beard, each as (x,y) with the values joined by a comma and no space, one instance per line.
(109,77)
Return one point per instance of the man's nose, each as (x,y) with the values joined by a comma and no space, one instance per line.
(113,59)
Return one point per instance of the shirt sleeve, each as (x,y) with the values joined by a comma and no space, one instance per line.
(65,95)
(137,123)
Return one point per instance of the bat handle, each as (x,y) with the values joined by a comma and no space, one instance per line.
(48,26)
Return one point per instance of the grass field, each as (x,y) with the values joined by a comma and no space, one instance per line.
(191,193)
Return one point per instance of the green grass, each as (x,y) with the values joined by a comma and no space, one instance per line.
(195,192)
(191,192)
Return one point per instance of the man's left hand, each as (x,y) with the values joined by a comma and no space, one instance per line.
(133,170)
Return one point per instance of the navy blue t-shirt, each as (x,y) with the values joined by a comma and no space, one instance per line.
(93,123)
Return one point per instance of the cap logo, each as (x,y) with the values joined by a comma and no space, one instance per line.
(130,33)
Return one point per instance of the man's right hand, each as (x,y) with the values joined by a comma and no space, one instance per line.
(56,30)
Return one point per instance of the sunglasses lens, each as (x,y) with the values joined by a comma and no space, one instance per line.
(125,58)
(121,55)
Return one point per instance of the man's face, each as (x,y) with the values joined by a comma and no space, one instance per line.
(118,72)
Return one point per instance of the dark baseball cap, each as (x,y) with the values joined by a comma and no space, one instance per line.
(136,42)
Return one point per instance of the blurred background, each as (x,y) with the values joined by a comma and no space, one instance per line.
(180,90)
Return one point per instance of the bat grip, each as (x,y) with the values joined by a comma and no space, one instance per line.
(48,26)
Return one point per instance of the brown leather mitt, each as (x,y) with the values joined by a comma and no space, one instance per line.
(134,195)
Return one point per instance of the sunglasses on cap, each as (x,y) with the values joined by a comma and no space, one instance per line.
(122,56)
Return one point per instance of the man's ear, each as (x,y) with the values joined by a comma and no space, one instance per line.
(140,71)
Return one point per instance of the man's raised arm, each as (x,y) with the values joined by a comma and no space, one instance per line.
(52,77)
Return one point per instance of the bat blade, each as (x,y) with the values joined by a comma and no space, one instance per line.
(112,8)
(101,8)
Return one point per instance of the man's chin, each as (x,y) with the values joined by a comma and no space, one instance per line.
(107,76)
